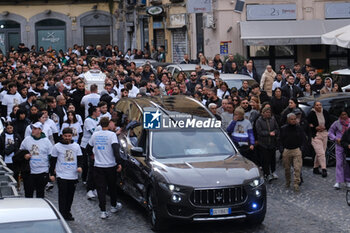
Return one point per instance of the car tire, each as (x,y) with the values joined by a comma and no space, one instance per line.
(157,222)
(256,219)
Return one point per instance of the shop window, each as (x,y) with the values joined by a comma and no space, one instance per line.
(284,50)
(259,51)
(336,50)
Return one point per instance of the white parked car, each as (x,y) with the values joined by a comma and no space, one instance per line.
(234,80)
(30,215)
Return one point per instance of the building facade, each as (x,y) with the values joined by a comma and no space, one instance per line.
(59,24)
(274,32)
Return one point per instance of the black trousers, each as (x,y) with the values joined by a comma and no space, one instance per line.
(90,185)
(106,177)
(268,158)
(85,165)
(35,182)
(66,189)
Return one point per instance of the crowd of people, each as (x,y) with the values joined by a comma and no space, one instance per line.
(54,128)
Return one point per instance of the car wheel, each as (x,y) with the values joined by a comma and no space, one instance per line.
(256,219)
(157,223)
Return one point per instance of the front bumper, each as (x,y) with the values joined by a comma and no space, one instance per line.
(185,210)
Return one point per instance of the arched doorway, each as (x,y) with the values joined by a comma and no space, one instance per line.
(51,32)
(9,35)
(97,28)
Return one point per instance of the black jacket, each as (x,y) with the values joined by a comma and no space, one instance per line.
(11,148)
(312,119)
(296,91)
(292,136)
(21,164)
(263,128)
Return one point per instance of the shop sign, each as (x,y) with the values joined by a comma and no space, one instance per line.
(155,10)
(339,10)
(177,21)
(198,6)
(272,12)
(53,38)
(224,47)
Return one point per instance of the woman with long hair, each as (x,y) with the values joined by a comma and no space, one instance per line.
(73,123)
(319,123)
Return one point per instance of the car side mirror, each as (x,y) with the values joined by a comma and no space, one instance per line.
(137,152)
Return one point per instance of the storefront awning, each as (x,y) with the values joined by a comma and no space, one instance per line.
(340,37)
(298,32)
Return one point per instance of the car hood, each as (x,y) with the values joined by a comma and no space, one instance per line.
(207,172)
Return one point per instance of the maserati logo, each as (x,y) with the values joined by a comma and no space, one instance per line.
(218,196)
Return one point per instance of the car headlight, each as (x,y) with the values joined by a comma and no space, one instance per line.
(171,187)
(256,182)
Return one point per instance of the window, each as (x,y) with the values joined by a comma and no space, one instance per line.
(284,50)
(259,51)
(97,35)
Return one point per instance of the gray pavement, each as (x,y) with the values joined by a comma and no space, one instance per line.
(316,208)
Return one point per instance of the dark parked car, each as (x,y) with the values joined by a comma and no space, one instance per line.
(333,103)
(185,173)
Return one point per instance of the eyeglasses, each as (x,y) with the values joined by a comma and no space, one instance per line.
(244,103)
(235,100)
(193,75)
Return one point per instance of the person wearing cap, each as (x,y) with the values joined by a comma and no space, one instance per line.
(335,133)
(267,131)
(291,138)
(35,152)
(104,145)
(66,163)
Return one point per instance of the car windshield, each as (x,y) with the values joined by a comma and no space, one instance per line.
(234,83)
(33,227)
(189,143)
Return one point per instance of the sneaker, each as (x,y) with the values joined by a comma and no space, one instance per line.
(90,195)
(49,186)
(95,192)
(324,173)
(347,185)
(336,186)
(274,175)
(115,209)
(84,182)
(104,215)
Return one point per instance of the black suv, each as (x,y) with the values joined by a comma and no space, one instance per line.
(180,165)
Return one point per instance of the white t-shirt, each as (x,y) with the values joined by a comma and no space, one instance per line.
(102,142)
(89,126)
(56,120)
(9,140)
(10,101)
(67,161)
(92,98)
(40,149)
(76,127)
(107,114)
(77,116)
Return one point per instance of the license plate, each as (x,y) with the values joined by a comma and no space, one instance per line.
(220,211)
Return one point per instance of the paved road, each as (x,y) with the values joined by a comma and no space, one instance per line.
(317,208)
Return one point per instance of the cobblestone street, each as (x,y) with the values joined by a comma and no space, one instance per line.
(317,208)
